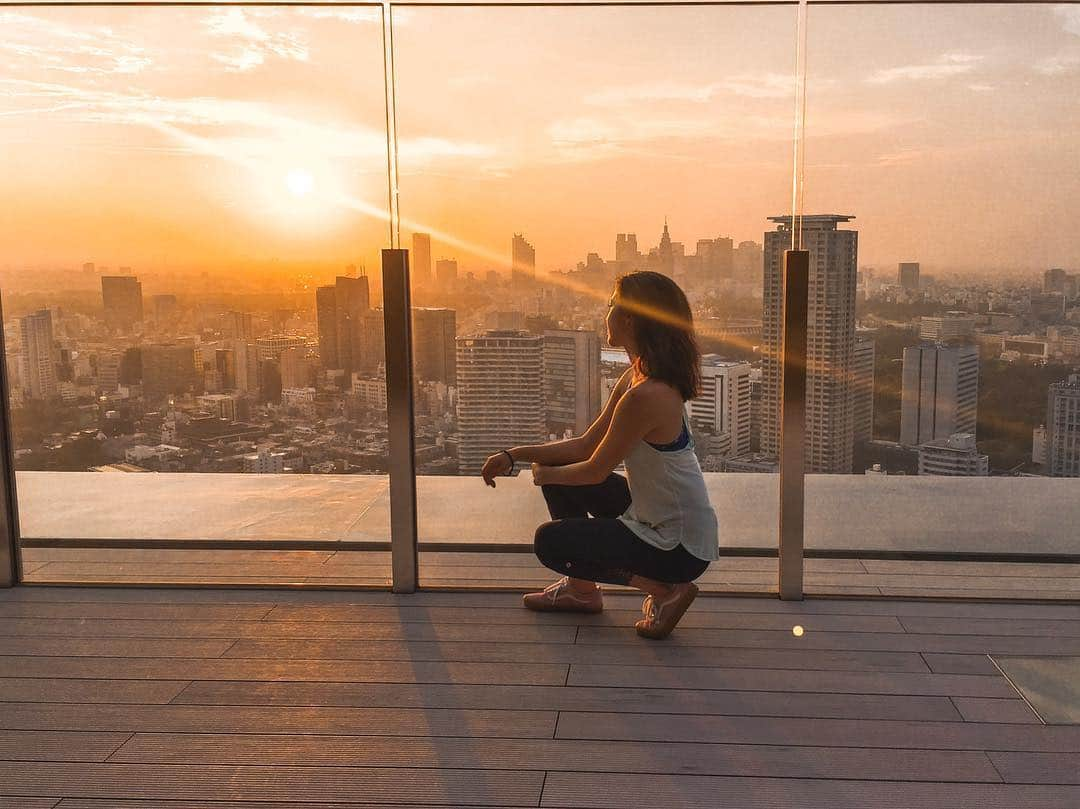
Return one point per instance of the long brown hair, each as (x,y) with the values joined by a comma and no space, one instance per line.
(663,330)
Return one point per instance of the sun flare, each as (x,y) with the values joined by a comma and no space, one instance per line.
(299,182)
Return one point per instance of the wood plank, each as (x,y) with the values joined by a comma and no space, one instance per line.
(867,641)
(1038,768)
(313,784)
(571,698)
(365,721)
(965,568)
(138,692)
(997,626)
(558,756)
(944,663)
(565,653)
(134,668)
(137,610)
(980,709)
(619,791)
(379,630)
(114,803)
(845,682)
(113,647)
(11,802)
(1068,594)
(45,745)
(911,735)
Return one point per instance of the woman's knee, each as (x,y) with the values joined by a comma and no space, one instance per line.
(548,542)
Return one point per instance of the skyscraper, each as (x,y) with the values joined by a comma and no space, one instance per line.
(1054,280)
(830,423)
(500,394)
(39,369)
(722,410)
(295,368)
(446,273)
(940,393)
(864,389)
(665,254)
(326,318)
(907,275)
(122,299)
(420,259)
(626,249)
(1063,428)
(340,311)
(947,328)
(522,259)
(434,347)
(571,379)
(169,368)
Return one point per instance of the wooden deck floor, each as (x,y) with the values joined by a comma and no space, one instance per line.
(249,699)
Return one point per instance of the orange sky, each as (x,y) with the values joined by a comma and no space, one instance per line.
(196,137)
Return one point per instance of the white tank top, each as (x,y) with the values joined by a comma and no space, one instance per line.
(670,505)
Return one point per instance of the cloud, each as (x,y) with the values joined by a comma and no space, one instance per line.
(1059,63)
(758,85)
(948,64)
(42,43)
(252,43)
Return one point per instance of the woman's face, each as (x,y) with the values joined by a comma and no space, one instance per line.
(616,324)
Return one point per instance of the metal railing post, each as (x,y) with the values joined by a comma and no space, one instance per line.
(793,421)
(397,328)
(9,510)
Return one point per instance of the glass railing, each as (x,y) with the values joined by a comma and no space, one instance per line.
(192,280)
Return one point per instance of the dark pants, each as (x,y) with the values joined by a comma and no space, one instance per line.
(601,548)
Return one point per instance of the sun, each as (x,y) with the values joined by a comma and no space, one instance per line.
(300,182)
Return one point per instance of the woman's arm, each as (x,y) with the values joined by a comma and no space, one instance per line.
(633,419)
(579,448)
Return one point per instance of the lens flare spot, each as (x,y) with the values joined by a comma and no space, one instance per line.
(797,631)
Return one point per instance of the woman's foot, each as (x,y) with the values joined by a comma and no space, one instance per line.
(561,597)
(662,614)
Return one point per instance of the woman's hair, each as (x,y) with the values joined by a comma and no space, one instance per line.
(663,330)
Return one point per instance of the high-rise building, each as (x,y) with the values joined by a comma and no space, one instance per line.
(446,273)
(167,369)
(122,299)
(626,249)
(434,349)
(863,392)
(372,347)
(953,456)
(522,259)
(830,422)
(165,308)
(722,411)
(907,275)
(947,328)
(1054,280)
(351,300)
(571,379)
(38,366)
(107,373)
(271,346)
(246,363)
(240,325)
(665,254)
(326,319)
(500,394)
(1063,428)
(940,393)
(225,364)
(420,259)
(295,367)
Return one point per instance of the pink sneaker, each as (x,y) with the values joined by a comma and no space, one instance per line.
(662,616)
(559,597)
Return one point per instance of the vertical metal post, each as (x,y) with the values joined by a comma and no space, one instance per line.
(9,511)
(397,329)
(793,421)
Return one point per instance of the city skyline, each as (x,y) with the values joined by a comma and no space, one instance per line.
(235,137)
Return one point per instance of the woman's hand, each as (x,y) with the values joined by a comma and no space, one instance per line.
(538,471)
(495,465)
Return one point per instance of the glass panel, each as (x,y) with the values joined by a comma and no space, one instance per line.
(191,291)
(948,325)
(536,166)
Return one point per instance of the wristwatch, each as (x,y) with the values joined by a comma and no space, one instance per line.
(511,457)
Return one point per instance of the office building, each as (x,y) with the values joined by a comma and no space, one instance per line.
(947,328)
(830,421)
(626,250)
(38,365)
(296,370)
(522,259)
(500,394)
(940,392)
(271,346)
(571,380)
(1063,428)
(723,410)
(169,369)
(1054,280)
(907,275)
(434,347)
(953,456)
(220,405)
(122,299)
(420,259)
(446,272)
(166,308)
(326,324)
(863,389)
